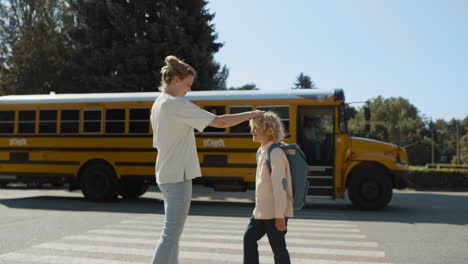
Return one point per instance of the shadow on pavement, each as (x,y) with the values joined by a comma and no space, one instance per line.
(410,208)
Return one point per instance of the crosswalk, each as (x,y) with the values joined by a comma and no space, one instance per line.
(208,239)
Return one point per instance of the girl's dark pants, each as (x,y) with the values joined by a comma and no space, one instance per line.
(256,229)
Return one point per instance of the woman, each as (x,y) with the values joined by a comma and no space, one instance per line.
(173,119)
(273,192)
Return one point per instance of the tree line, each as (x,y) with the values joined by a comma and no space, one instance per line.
(76,46)
(397,121)
(103,45)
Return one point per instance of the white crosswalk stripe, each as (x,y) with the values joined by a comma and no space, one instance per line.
(33,258)
(227,227)
(226,232)
(206,239)
(323,242)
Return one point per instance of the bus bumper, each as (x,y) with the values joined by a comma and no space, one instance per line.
(400,179)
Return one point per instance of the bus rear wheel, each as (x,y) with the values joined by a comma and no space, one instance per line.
(133,189)
(98,183)
(370,189)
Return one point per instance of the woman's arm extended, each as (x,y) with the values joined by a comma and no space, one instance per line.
(234,119)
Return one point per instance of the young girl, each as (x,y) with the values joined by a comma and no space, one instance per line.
(173,119)
(273,193)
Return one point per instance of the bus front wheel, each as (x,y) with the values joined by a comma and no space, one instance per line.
(370,189)
(133,189)
(98,183)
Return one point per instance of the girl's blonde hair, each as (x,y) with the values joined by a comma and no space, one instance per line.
(174,67)
(270,124)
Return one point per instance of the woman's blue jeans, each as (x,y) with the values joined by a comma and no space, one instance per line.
(177,197)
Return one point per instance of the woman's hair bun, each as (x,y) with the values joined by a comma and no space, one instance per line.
(172,60)
(174,67)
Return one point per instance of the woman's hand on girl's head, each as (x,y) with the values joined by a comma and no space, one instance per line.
(256,113)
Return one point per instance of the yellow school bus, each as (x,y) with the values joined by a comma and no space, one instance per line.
(101,143)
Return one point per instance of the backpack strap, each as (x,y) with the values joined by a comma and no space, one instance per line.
(270,149)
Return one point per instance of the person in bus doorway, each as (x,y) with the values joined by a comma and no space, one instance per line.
(311,141)
(273,193)
(173,119)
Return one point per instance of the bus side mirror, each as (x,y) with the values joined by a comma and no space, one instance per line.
(367,113)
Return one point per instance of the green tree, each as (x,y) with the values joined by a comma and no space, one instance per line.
(356,125)
(351,112)
(200,43)
(464,124)
(393,120)
(464,149)
(249,86)
(399,116)
(420,154)
(304,82)
(445,138)
(221,78)
(122,44)
(34,52)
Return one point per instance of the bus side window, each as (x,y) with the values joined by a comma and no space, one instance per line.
(115,120)
(7,121)
(70,121)
(48,121)
(92,121)
(27,121)
(244,126)
(282,111)
(139,120)
(216,110)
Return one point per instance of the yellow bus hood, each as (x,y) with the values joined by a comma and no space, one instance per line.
(360,147)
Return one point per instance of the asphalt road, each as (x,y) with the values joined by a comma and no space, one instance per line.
(57,226)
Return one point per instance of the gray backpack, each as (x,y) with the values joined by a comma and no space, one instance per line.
(298,167)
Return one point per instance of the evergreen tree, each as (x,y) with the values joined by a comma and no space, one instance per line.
(199,43)
(249,86)
(34,54)
(122,44)
(112,53)
(304,82)
(221,78)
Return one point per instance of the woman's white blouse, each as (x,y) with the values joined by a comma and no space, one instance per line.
(173,120)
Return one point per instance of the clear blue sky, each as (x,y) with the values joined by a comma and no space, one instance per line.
(416,49)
